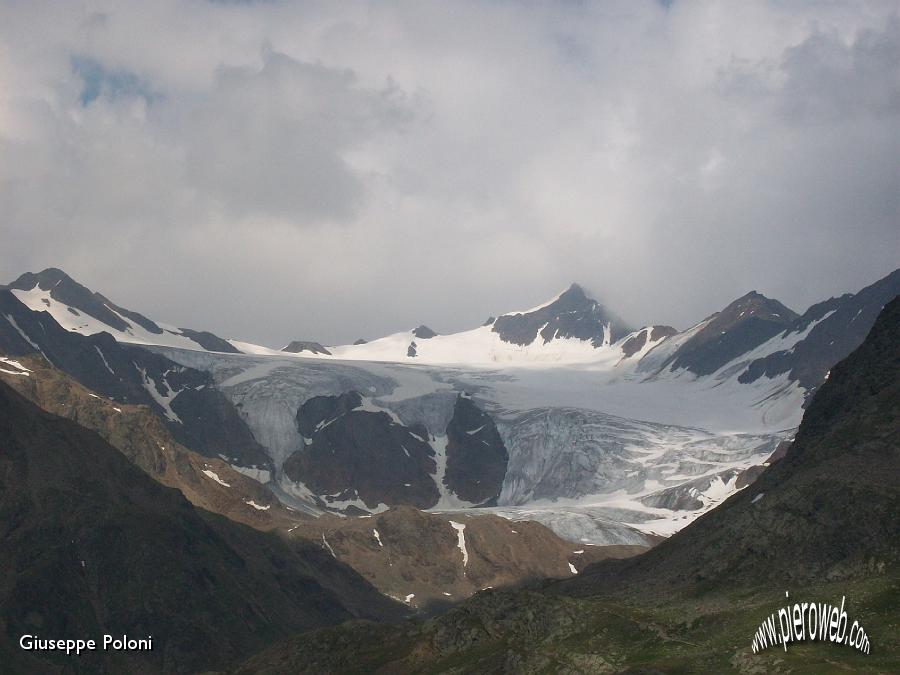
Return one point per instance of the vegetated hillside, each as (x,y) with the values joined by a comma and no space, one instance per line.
(92,545)
(821,522)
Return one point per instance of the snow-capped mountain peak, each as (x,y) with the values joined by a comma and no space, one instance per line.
(572,314)
(743,325)
(570,328)
(78,309)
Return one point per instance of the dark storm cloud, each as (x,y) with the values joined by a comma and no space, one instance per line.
(334,170)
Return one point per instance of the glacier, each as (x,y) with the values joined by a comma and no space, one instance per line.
(586,447)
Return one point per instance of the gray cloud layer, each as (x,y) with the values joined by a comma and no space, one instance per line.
(333,170)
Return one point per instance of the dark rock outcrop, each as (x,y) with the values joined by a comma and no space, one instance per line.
(298,346)
(423,332)
(355,453)
(634,344)
(638,341)
(780,451)
(209,342)
(660,332)
(476,455)
(688,496)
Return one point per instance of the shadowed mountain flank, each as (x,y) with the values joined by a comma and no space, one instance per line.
(92,545)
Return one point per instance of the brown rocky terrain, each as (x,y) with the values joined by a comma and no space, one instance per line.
(420,558)
(140,435)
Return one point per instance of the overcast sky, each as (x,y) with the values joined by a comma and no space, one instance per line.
(331,170)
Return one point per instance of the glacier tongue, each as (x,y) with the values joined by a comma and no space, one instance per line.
(566,453)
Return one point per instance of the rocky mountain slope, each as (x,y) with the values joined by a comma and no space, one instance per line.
(79,309)
(93,545)
(571,315)
(833,329)
(207,482)
(820,522)
(744,324)
(194,410)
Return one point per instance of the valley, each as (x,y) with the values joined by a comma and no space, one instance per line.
(471,462)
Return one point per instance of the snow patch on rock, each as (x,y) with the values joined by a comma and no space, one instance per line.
(461,540)
(215,477)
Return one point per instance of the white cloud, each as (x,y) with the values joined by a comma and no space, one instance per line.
(328,170)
